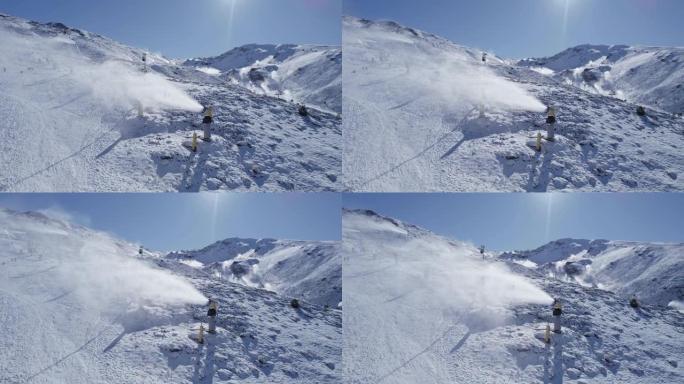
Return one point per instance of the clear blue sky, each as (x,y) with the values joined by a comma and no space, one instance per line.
(525,221)
(534,28)
(169,222)
(192,28)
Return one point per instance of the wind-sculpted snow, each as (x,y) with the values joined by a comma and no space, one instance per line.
(405,289)
(421,308)
(423,114)
(78,306)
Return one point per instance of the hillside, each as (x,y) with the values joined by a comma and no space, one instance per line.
(301,73)
(424,114)
(652,272)
(422,308)
(79,306)
(70,101)
(303,269)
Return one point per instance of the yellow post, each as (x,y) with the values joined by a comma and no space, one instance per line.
(194,141)
(539,141)
(200,338)
(547,334)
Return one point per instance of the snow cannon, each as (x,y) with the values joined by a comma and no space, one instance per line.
(303,111)
(641,111)
(207,121)
(551,121)
(557,312)
(212,312)
(295,304)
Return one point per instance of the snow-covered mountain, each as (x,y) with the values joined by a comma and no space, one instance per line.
(652,272)
(653,76)
(80,306)
(424,114)
(422,308)
(302,73)
(302,269)
(69,103)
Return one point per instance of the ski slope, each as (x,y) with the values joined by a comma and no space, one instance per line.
(69,102)
(78,306)
(413,123)
(422,308)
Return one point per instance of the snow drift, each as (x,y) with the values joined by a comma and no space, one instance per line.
(447,74)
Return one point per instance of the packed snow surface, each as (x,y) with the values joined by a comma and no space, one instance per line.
(422,308)
(78,306)
(423,114)
(69,115)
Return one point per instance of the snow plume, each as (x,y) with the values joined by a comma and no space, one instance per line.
(103,276)
(103,273)
(122,85)
(459,281)
(427,271)
(459,80)
(58,72)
